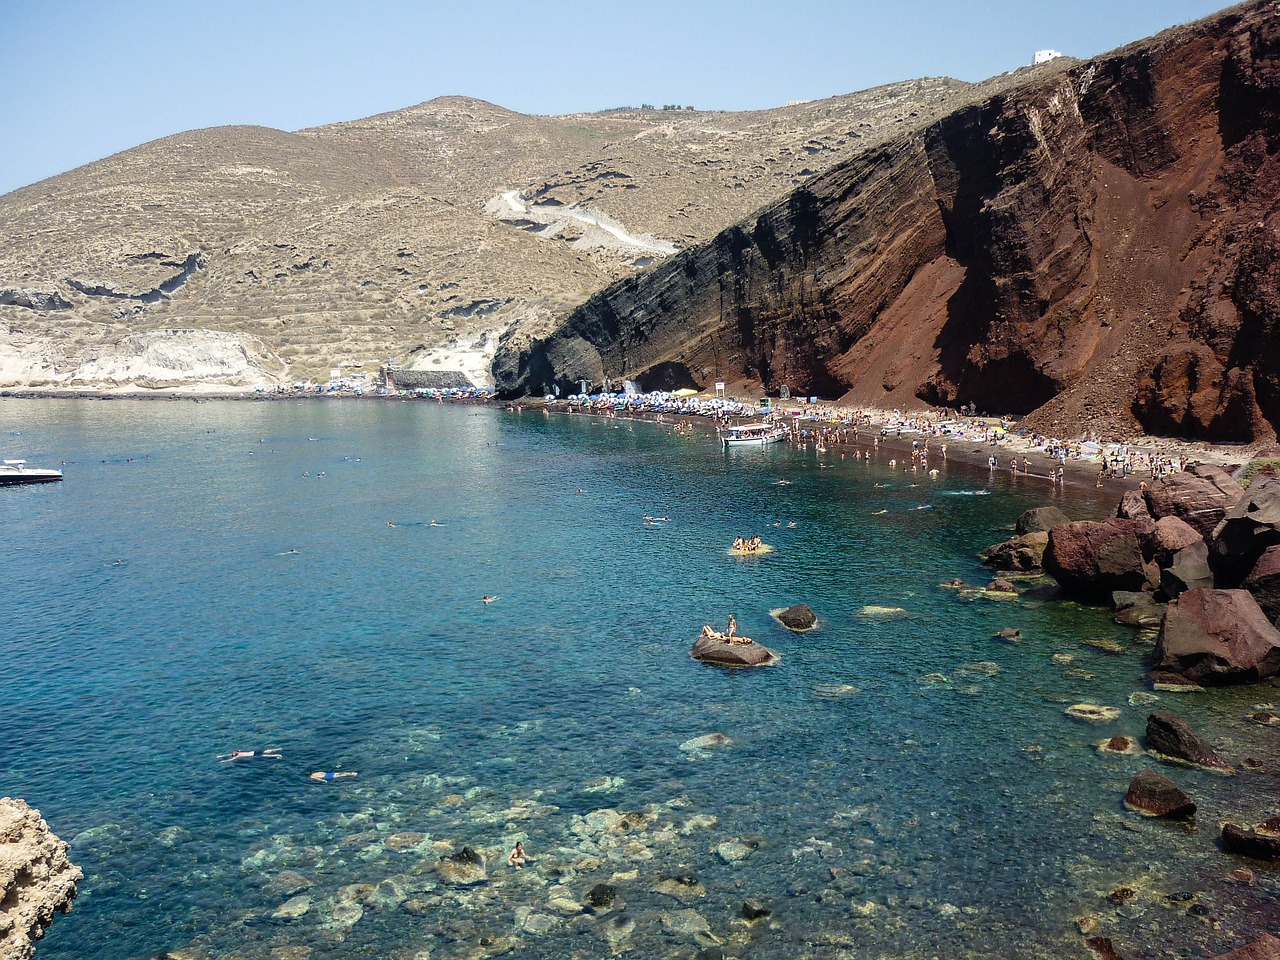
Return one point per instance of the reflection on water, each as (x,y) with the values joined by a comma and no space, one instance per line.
(899,785)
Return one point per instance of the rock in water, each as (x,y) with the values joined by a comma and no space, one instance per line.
(1169,736)
(464,868)
(1155,795)
(1094,558)
(1040,520)
(1024,554)
(1218,637)
(1262,842)
(750,654)
(799,617)
(36,878)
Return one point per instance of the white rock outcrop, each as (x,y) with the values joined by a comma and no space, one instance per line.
(36,878)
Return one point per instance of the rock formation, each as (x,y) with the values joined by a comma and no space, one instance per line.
(1094,558)
(1217,637)
(749,654)
(1096,244)
(1168,736)
(1155,795)
(36,878)
(798,618)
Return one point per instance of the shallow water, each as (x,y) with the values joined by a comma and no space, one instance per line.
(882,815)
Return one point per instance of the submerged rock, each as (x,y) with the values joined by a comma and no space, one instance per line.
(1119,744)
(684,887)
(753,910)
(875,612)
(705,742)
(1265,947)
(1040,520)
(1092,712)
(464,868)
(1155,795)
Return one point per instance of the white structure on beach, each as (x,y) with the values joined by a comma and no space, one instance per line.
(1044,56)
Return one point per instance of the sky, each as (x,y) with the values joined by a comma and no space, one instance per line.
(83,79)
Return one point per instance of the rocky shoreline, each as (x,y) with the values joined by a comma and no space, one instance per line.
(37,879)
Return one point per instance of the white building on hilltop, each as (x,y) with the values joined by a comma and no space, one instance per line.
(1044,56)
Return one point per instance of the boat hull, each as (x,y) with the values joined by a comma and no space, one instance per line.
(10,478)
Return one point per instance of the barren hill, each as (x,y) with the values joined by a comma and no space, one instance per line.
(235,255)
(1097,247)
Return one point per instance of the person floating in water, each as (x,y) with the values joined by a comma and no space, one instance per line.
(516,858)
(488,599)
(271,753)
(321,775)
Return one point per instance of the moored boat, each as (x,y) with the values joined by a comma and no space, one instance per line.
(753,434)
(17,471)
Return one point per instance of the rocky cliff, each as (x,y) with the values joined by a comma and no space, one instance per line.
(1098,245)
(36,878)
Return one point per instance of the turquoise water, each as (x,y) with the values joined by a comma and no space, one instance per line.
(880,815)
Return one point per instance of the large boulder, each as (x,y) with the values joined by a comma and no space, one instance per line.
(1169,737)
(1155,795)
(1218,637)
(36,878)
(1133,506)
(1168,537)
(749,654)
(1040,520)
(1093,558)
(1200,495)
(1022,554)
(1189,570)
(1263,582)
(1245,532)
(798,618)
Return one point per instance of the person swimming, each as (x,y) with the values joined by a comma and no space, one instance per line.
(488,599)
(270,753)
(322,775)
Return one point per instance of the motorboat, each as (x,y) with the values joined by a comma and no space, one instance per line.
(753,434)
(17,471)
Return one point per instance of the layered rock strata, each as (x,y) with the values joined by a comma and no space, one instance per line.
(1097,244)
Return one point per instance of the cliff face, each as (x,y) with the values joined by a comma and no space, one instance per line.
(1094,247)
(36,878)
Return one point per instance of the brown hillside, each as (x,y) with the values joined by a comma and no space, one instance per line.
(1097,246)
(388,236)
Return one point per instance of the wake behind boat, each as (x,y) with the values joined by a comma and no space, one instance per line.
(16,471)
(752,434)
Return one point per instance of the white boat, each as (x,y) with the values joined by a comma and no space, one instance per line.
(754,434)
(17,471)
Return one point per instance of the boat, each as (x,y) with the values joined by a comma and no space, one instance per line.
(757,434)
(17,471)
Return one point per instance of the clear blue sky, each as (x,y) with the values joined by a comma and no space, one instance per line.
(82,79)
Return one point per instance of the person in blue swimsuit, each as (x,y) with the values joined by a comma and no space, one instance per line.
(331,775)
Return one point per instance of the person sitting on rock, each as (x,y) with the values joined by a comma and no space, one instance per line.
(738,543)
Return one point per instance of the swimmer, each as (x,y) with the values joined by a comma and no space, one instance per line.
(791,525)
(879,512)
(434,524)
(322,775)
(390,524)
(488,599)
(271,753)
(118,563)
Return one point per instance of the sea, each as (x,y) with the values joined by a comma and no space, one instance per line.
(309,576)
